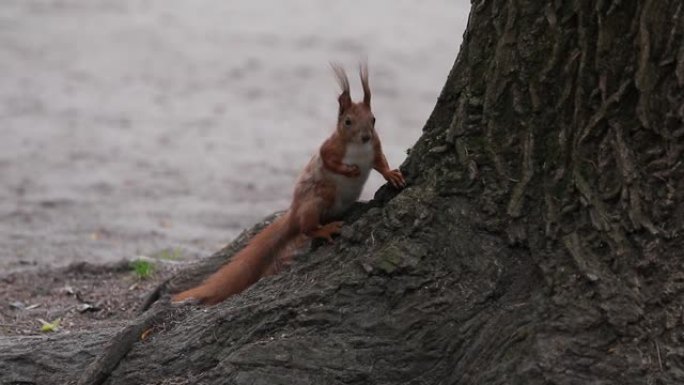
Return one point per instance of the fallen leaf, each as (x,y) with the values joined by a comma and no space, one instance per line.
(84,307)
(145,334)
(48,327)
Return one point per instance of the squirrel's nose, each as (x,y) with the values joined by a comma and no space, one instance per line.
(365,138)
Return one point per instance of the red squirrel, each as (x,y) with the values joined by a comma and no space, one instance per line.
(329,184)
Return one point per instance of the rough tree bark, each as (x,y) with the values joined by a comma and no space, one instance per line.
(539,240)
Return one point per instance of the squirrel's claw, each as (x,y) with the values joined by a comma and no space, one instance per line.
(395,178)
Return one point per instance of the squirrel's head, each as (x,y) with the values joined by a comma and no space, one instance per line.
(355,121)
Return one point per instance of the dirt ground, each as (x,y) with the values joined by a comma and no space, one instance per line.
(128,127)
(79,296)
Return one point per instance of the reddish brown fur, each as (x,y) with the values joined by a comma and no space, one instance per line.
(380,165)
(314,196)
(246,267)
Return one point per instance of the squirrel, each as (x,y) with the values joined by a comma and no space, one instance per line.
(329,184)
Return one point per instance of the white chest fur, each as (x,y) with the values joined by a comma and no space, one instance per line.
(348,189)
(360,155)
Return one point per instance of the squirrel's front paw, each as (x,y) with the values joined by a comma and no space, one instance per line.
(395,178)
(351,170)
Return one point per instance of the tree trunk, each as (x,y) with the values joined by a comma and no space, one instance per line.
(538,242)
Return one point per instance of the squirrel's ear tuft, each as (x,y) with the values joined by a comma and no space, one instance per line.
(363,73)
(345,97)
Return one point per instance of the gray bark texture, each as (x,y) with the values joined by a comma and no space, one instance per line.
(539,240)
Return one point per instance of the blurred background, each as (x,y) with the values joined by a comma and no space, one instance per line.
(128,127)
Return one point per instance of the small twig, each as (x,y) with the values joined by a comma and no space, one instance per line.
(660,359)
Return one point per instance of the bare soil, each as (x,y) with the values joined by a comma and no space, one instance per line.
(82,296)
(128,127)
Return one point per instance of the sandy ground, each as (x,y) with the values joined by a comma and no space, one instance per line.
(131,126)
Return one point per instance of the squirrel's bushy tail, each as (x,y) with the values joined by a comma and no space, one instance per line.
(246,267)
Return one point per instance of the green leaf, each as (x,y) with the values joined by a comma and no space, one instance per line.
(48,327)
(143,269)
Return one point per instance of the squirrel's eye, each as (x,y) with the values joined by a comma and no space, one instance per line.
(373,121)
(347,122)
